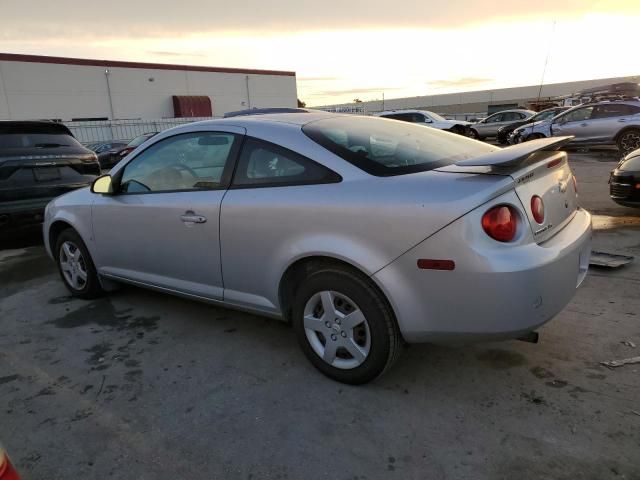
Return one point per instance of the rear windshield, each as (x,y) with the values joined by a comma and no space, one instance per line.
(386,147)
(37,140)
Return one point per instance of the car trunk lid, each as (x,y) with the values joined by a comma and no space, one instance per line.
(47,173)
(537,169)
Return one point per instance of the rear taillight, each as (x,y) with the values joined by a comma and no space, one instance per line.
(7,472)
(501,223)
(537,208)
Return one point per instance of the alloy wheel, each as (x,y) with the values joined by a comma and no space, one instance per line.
(337,330)
(630,141)
(73,266)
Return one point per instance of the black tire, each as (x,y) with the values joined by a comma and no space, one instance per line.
(628,140)
(382,330)
(473,133)
(533,136)
(457,129)
(89,288)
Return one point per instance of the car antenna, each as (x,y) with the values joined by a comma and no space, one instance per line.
(546,60)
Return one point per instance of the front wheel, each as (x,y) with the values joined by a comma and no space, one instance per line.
(76,267)
(474,134)
(533,136)
(345,326)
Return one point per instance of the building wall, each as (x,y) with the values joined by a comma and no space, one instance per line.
(30,90)
(479,101)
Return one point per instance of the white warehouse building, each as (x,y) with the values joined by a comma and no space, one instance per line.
(479,102)
(71,89)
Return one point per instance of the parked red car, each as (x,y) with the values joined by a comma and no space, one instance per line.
(7,471)
(117,154)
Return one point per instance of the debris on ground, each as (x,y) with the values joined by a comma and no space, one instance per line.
(628,343)
(609,260)
(619,363)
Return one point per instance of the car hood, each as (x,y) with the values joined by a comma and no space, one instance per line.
(533,124)
(456,122)
(78,197)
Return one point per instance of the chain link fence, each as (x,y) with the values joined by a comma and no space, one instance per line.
(124,130)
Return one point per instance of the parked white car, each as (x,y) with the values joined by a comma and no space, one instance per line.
(430,119)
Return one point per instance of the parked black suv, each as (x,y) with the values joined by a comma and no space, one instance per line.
(38,162)
(624,181)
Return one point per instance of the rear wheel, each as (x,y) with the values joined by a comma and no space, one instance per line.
(75,266)
(629,140)
(345,326)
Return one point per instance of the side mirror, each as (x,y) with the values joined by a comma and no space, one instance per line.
(102,185)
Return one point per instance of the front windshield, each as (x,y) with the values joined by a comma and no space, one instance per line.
(386,147)
(544,115)
(436,117)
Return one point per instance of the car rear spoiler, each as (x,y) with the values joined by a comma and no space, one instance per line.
(515,154)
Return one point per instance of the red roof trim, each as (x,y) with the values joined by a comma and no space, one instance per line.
(14,57)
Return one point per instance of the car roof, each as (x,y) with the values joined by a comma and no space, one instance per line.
(31,126)
(301,118)
(514,110)
(404,110)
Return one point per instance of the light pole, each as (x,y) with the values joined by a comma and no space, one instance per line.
(106,74)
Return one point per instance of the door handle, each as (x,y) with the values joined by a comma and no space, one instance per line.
(191,217)
(622,120)
(584,124)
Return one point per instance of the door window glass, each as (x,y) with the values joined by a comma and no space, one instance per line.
(510,116)
(192,161)
(495,118)
(614,110)
(265,164)
(578,115)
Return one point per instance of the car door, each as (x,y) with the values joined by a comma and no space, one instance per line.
(574,122)
(161,227)
(489,126)
(607,120)
(272,199)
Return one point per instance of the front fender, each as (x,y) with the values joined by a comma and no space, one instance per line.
(74,210)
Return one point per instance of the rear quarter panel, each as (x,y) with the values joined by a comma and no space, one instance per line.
(367,222)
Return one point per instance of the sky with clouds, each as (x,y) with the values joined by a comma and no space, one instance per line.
(345,49)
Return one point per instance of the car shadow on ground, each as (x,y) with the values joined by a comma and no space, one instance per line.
(21,238)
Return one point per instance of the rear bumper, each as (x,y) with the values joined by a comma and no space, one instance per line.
(625,191)
(494,292)
(22,212)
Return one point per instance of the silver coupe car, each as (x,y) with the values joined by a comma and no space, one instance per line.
(365,233)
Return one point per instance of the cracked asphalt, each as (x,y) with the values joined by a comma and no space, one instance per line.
(140,385)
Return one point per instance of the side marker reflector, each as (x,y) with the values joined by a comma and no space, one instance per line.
(428,264)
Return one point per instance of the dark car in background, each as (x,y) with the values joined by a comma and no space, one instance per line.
(113,156)
(624,182)
(544,115)
(38,162)
(104,151)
